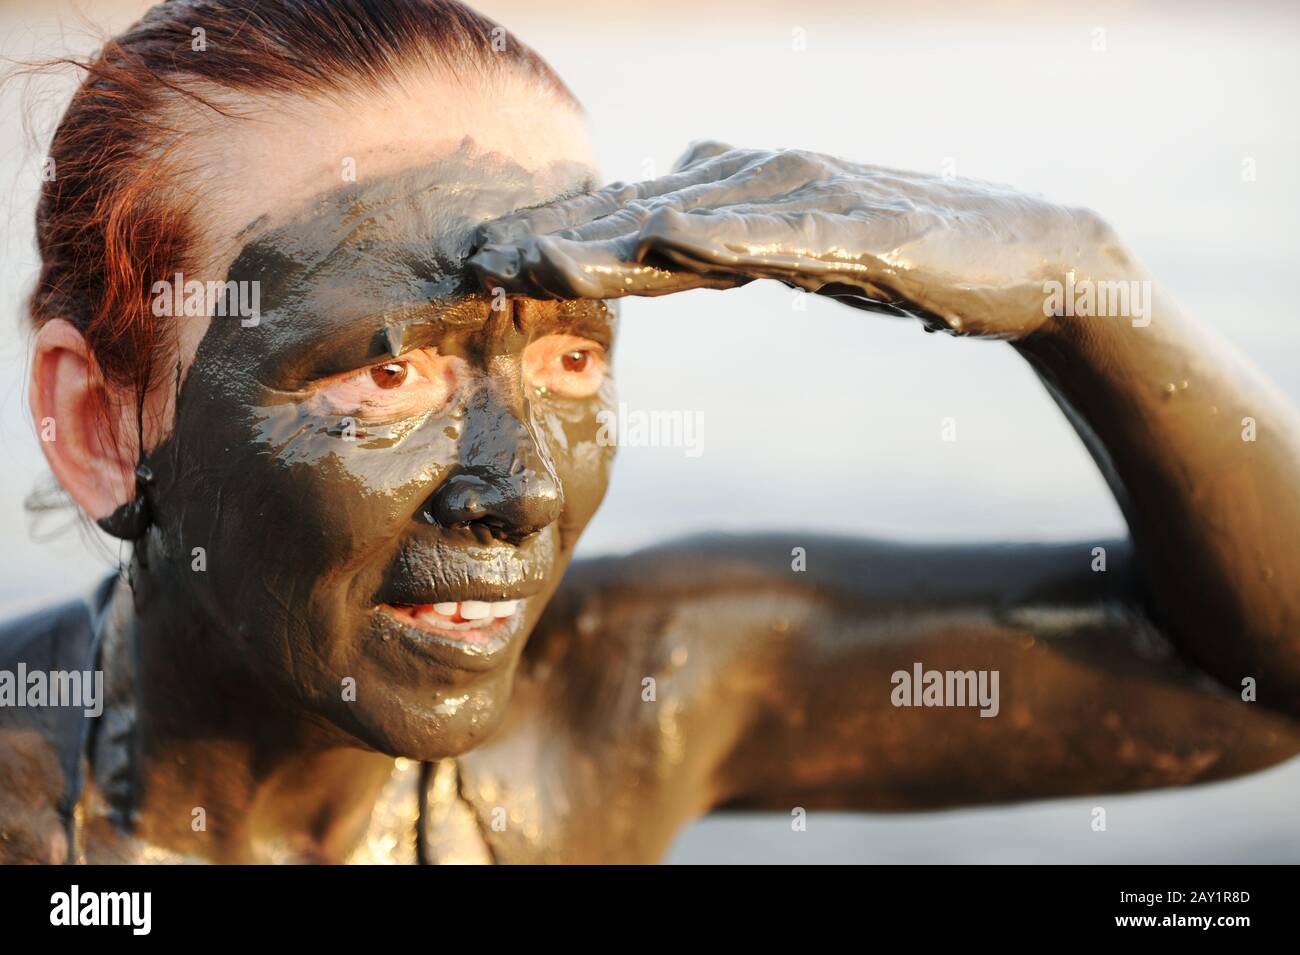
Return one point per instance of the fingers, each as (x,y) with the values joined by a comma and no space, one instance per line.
(689,186)
(797,245)
(644,250)
(549,267)
(558,215)
(675,251)
(746,180)
(729,244)
(724,218)
(698,151)
(604,233)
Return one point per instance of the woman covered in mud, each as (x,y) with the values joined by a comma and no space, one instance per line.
(348,630)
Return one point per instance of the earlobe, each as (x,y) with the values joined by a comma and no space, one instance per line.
(80,420)
(130,521)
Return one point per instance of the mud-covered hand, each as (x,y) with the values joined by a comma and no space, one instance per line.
(966,257)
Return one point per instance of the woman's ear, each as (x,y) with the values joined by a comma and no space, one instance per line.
(86,430)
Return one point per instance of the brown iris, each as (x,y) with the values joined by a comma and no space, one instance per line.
(575,361)
(390,375)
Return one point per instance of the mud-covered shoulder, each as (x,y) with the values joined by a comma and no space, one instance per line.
(41,727)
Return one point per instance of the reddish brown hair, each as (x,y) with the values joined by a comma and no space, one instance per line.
(106,230)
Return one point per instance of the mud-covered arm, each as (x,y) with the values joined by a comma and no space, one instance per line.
(1201,452)
(1203,455)
(777,686)
(1069,690)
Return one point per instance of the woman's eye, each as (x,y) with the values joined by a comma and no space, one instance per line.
(389,375)
(420,381)
(575,361)
(565,365)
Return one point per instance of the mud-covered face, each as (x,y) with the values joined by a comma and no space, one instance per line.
(387,473)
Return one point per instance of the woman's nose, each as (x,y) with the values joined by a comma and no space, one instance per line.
(511,509)
(512,497)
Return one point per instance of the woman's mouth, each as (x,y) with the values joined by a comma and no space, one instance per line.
(472,633)
(457,616)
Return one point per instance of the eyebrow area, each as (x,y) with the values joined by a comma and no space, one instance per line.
(405,328)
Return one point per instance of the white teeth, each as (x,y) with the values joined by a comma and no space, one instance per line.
(475,609)
(442,623)
(472,614)
(435,621)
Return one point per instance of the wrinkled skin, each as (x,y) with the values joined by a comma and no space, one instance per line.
(772,687)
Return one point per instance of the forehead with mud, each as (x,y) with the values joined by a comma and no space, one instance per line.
(381,251)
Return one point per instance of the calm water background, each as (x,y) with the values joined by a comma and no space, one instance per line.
(842,432)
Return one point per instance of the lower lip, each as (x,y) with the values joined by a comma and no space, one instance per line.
(478,648)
